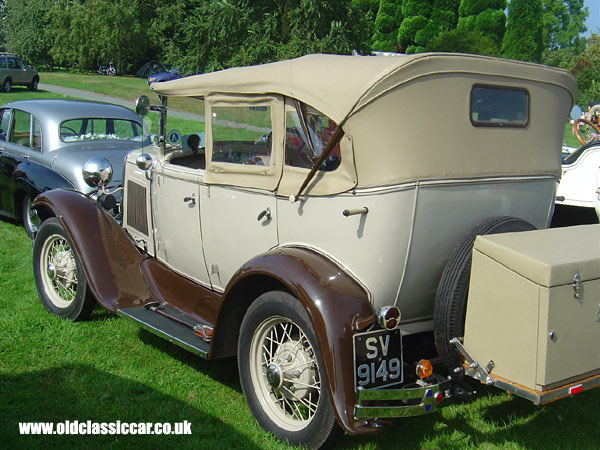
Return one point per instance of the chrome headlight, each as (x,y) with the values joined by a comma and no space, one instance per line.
(97,172)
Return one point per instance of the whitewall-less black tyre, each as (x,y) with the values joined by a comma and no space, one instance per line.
(31,221)
(450,306)
(281,372)
(59,279)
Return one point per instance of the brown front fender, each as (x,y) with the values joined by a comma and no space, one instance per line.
(337,307)
(110,261)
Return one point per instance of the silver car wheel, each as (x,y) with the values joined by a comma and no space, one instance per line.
(285,373)
(58,271)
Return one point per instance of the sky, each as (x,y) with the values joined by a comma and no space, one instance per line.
(593,21)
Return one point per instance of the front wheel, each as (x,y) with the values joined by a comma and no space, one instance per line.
(59,279)
(281,372)
(33,86)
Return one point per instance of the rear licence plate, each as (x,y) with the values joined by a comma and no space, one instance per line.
(378,359)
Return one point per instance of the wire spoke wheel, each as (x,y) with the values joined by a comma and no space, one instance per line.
(59,273)
(281,372)
(59,279)
(285,372)
(586,131)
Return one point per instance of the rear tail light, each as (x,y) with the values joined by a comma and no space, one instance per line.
(389,317)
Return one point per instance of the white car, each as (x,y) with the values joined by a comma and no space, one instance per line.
(580,183)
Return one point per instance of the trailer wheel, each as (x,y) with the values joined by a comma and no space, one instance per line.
(451,297)
(281,372)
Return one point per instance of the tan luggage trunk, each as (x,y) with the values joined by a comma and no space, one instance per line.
(534,311)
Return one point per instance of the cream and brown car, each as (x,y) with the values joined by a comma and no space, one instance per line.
(321,229)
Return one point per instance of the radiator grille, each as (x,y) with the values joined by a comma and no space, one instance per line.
(137,213)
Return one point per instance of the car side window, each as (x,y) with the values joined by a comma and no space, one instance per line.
(12,63)
(20,64)
(2,63)
(36,141)
(242,134)
(21,129)
(4,123)
(305,142)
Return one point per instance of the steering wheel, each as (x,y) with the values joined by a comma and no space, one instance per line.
(71,130)
(585,131)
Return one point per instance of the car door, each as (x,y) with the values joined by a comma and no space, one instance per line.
(20,148)
(244,162)
(176,208)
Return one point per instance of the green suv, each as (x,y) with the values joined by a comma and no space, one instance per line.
(13,72)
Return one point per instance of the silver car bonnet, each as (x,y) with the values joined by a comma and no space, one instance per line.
(69,161)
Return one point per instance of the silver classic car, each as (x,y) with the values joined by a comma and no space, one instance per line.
(44,144)
(322,231)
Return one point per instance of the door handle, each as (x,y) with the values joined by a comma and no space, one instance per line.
(191,199)
(266,213)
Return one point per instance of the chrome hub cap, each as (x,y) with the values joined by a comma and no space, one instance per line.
(51,271)
(274,376)
(285,373)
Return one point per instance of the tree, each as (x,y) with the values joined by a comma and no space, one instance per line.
(587,71)
(3,15)
(206,35)
(563,22)
(462,41)
(486,16)
(388,20)
(423,20)
(523,39)
(87,33)
(26,30)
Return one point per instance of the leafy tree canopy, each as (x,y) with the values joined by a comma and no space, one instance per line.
(523,39)
(564,21)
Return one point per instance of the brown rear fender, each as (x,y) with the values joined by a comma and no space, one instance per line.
(336,304)
(110,261)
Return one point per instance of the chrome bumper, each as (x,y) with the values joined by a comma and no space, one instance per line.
(406,402)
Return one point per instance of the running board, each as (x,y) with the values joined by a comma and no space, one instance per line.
(167,328)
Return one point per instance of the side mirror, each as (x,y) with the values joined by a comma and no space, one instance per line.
(575,112)
(97,172)
(144,161)
(142,106)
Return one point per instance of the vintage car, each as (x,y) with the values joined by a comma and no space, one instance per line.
(323,232)
(578,194)
(44,144)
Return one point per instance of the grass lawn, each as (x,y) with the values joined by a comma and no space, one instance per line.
(108,370)
(128,88)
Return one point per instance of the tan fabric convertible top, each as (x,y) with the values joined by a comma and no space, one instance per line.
(339,85)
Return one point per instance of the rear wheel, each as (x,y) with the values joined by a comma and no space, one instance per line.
(59,279)
(31,221)
(281,372)
(6,86)
(451,297)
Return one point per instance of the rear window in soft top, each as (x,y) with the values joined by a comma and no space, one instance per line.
(499,106)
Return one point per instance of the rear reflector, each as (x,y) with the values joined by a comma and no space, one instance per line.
(576,389)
